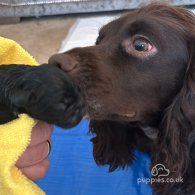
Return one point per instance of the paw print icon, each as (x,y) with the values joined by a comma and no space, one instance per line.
(160,170)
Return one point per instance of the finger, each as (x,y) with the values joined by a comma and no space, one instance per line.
(34,155)
(41,132)
(36,171)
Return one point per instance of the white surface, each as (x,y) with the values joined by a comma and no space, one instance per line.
(85,31)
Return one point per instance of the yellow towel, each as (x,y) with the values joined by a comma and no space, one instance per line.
(15,135)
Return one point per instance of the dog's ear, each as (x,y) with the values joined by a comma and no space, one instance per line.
(175,136)
(113,144)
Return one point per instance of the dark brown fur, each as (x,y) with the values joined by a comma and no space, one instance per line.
(159,89)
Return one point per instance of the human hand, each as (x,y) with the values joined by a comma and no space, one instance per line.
(34,162)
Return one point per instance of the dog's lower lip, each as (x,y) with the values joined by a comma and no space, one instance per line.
(129,115)
(122,117)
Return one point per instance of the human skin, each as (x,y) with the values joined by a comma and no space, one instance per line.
(34,163)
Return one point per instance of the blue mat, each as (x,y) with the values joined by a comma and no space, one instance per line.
(74,172)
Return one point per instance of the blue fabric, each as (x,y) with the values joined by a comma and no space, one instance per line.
(74,172)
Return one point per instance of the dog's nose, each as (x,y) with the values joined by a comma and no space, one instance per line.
(65,61)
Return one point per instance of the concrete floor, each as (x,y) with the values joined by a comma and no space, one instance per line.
(41,37)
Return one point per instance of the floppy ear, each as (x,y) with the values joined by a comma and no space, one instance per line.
(175,139)
(113,144)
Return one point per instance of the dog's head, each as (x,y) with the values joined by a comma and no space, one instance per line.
(142,69)
(137,66)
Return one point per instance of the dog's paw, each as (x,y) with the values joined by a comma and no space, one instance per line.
(49,94)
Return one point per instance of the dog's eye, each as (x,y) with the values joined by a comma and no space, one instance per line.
(142,45)
(139,46)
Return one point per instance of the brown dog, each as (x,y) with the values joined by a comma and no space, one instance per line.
(139,84)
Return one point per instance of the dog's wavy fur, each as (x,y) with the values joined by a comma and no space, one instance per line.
(103,66)
(114,142)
